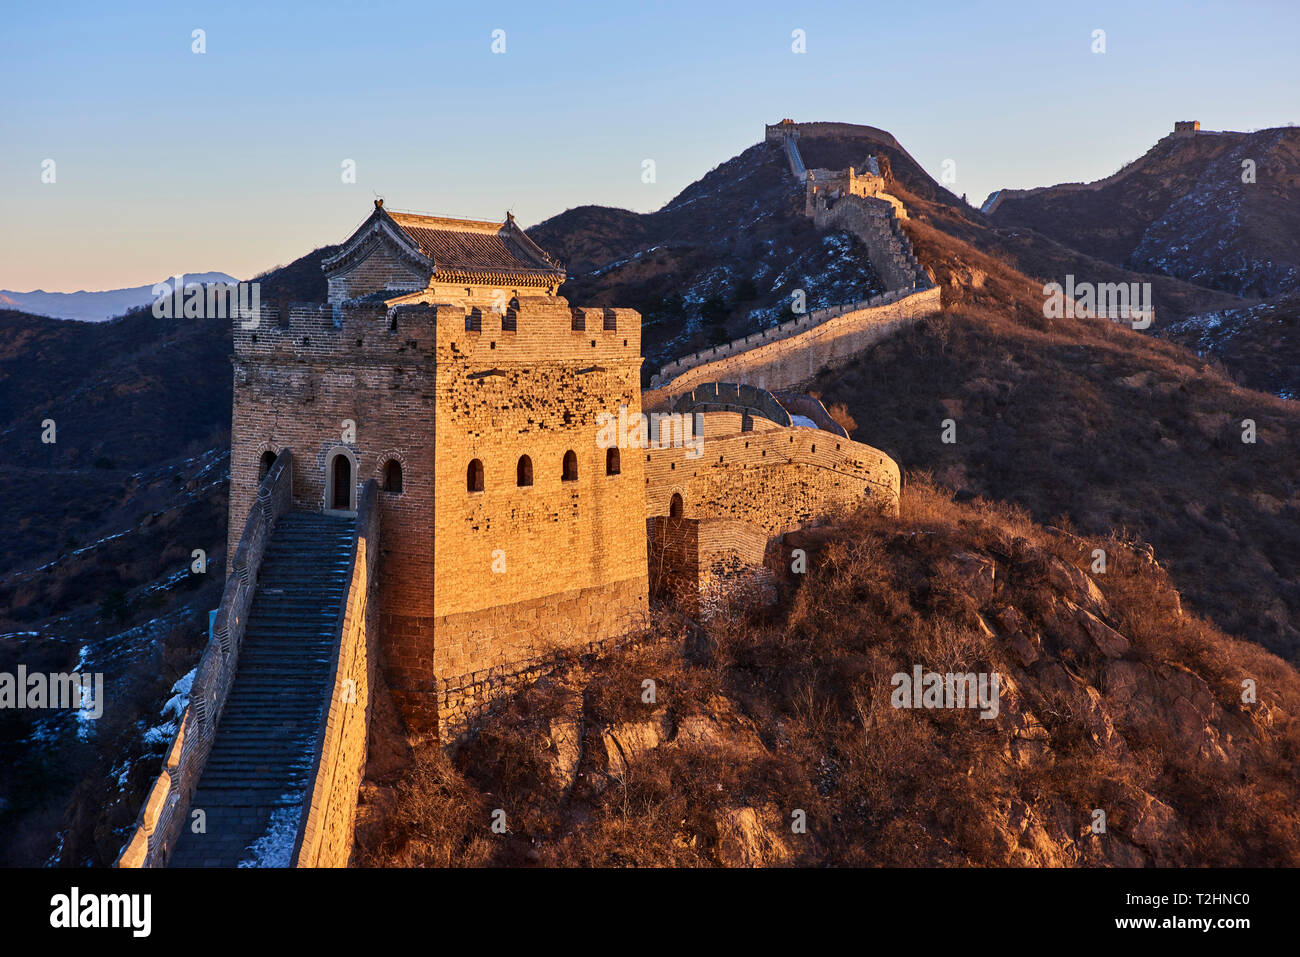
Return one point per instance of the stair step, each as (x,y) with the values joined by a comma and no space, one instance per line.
(264,751)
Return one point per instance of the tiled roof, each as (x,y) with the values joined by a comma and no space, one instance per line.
(475,247)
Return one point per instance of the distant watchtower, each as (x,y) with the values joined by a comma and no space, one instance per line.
(1187,127)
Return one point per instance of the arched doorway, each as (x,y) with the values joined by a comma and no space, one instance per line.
(342,498)
(340,481)
(676,506)
(264,465)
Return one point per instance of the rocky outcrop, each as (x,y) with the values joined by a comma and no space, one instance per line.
(1119,737)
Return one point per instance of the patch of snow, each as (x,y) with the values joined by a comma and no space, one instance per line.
(172,712)
(275,847)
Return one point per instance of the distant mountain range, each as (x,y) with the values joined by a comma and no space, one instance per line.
(96,306)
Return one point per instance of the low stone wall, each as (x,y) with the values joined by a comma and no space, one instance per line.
(793,353)
(464,699)
(167,807)
(786,330)
(794,159)
(797,403)
(777,479)
(325,833)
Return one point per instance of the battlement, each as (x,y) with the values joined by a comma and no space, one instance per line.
(534,328)
(538,328)
(361,331)
(793,352)
(775,479)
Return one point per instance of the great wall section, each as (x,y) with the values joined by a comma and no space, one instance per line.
(1182,132)
(790,354)
(336,533)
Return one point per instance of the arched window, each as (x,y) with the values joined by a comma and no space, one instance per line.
(474,476)
(264,466)
(611,461)
(524,472)
(393,476)
(570,470)
(676,507)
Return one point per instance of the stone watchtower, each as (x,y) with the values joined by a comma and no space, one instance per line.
(446,367)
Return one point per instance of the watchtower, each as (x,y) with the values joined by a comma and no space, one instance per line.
(447,367)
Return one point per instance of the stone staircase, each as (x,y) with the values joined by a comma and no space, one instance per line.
(253,785)
(796,161)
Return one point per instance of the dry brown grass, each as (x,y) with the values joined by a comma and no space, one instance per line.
(880,785)
(1090,423)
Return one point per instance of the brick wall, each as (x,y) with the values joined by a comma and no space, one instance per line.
(874,220)
(775,479)
(382,268)
(698,563)
(558,563)
(421,389)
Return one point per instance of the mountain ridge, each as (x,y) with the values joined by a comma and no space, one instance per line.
(97,305)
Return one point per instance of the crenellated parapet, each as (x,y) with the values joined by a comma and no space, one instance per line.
(792,353)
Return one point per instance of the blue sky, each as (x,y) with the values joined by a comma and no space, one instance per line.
(167,160)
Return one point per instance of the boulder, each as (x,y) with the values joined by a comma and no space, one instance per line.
(976,574)
(623,743)
(752,837)
(1143,819)
(1023,641)
(1070,581)
(1108,641)
(719,725)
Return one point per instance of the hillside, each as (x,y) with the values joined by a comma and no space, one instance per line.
(1183,210)
(97,575)
(1259,344)
(1089,422)
(1181,218)
(1112,699)
(719,261)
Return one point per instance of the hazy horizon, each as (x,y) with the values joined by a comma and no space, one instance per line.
(167,160)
